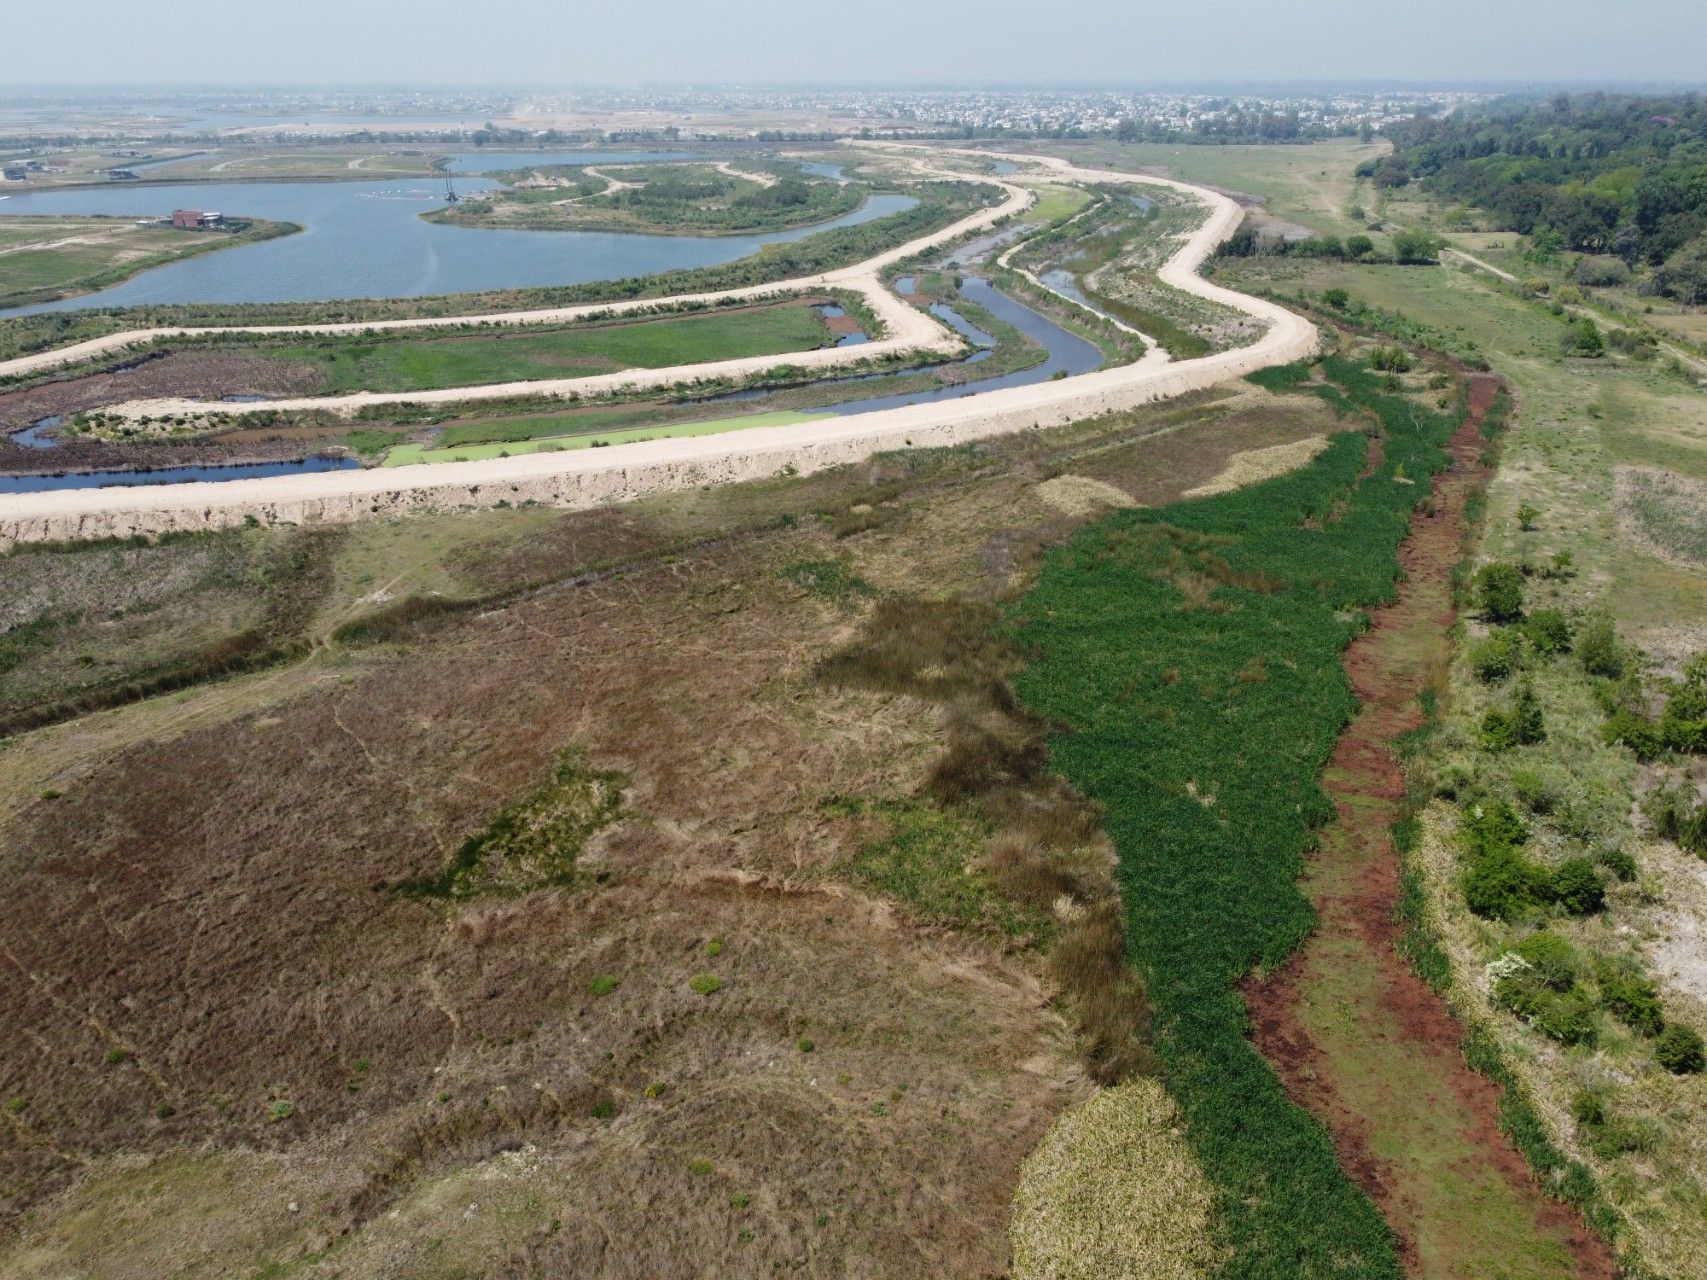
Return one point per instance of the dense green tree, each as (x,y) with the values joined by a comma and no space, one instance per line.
(1684,274)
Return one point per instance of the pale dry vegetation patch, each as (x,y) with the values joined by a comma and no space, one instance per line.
(1664,512)
(1114,1193)
(1082,497)
(1253,466)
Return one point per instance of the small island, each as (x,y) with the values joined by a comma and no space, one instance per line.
(708,199)
(47,257)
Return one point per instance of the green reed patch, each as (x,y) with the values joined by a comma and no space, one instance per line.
(535,843)
(1144,630)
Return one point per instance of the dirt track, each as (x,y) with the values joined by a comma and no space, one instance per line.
(585,478)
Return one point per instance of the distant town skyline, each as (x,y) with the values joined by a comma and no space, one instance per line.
(327,42)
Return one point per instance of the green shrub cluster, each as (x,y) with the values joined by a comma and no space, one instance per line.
(1502,883)
(1522,724)
(1548,983)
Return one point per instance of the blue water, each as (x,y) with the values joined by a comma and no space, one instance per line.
(171,475)
(31,437)
(366,240)
(833,311)
(1068,353)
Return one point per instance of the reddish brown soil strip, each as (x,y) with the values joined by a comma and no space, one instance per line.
(1354,1034)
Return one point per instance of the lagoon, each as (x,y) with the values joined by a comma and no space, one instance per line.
(367,240)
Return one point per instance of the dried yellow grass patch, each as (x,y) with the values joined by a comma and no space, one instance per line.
(1254,465)
(1082,496)
(1114,1193)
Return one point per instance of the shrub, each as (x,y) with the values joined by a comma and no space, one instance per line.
(1390,359)
(1631,998)
(1549,632)
(1578,888)
(1619,864)
(1528,725)
(1532,791)
(1583,340)
(1499,592)
(1338,299)
(603,985)
(1599,651)
(1499,882)
(1497,655)
(1683,724)
(705,983)
(1527,516)
(1680,1051)
(1414,247)
(1640,734)
(804,1044)
(1359,246)
(1502,885)
(1588,1108)
(1522,726)
(1568,1018)
(1550,959)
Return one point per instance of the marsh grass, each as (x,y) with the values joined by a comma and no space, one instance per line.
(533,844)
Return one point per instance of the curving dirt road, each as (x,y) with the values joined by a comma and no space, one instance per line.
(582,478)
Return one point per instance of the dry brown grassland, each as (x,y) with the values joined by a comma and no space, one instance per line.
(801,986)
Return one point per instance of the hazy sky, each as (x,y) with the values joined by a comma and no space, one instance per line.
(571,42)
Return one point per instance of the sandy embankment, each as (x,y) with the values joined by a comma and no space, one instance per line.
(584,478)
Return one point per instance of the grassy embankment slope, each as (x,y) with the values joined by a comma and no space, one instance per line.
(49,257)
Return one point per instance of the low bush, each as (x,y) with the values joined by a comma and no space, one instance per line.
(1499,592)
(1578,888)
(1498,655)
(1599,650)
(1548,632)
(1631,997)
(1641,735)
(1683,724)
(1680,1051)
(1522,725)
(1500,883)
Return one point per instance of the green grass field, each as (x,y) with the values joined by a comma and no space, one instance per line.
(404,455)
(1312,184)
(419,364)
(43,258)
(1058,202)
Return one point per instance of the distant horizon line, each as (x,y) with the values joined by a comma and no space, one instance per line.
(1362,84)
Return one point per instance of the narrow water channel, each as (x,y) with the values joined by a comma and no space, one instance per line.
(1068,354)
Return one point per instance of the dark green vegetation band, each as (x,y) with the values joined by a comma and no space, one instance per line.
(1193,652)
